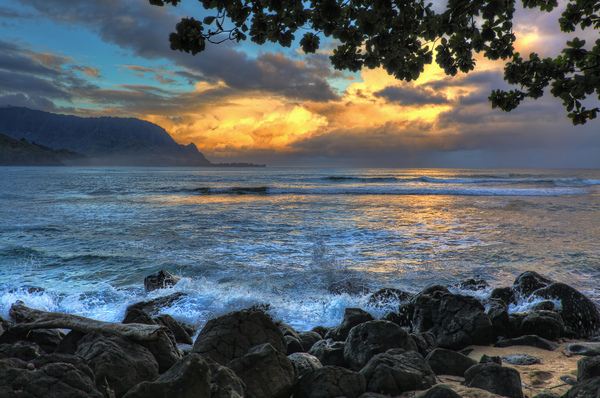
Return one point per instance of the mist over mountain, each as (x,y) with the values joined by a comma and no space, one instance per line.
(106,141)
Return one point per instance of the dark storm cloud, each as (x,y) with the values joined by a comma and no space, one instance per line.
(144,30)
(413,95)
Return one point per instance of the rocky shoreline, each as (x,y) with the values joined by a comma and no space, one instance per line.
(413,351)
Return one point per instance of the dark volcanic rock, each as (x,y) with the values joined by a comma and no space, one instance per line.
(160,280)
(121,362)
(48,376)
(474,284)
(425,342)
(439,391)
(374,337)
(307,339)
(388,295)
(530,340)
(588,367)
(293,345)
(329,352)
(224,383)
(579,313)
(352,317)
(68,345)
(304,362)
(153,307)
(589,349)
(506,294)
(231,336)
(24,350)
(589,388)
(528,282)
(397,371)
(266,372)
(179,332)
(521,359)
(46,339)
(448,362)
(495,378)
(188,378)
(330,382)
(498,314)
(546,324)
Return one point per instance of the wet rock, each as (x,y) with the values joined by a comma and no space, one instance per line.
(579,313)
(266,372)
(374,337)
(589,388)
(515,321)
(304,362)
(448,362)
(329,352)
(588,367)
(68,345)
(397,371)
(350,287)
(506,294)
(545,305)
(160,280)
(231,336)
(352,317)
(24,350)
(388,295)
(439,391)
(287,330)
(521,359)
(473,284)
(546,324)
(154,307)
(121,362)
(189,377)
(48,376)
(457,321)
(495,378)
(293,345)
(46,339)
(137,315)
(224,383)
(497,311)
(307,339)
(179,332)
(321,330)
(528,282)
(529,340)
(588,349)
(330,382)
(425,342)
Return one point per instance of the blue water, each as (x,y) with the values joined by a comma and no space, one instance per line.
(238,237)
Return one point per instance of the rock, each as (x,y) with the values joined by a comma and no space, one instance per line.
(154,307)
(293,345)
(439,391)
(68,345)
(137,315)
(579,313)
(457,321)
(588,349)
(188,378)
(388,295)
(266,372)
(546,395)
(321,330)
(160,280)
(473,284)
(352,317)
(545,305)
(490,359)
(397,371)
(24,350)
(425,342)
(588,367)
(121,362)
(521,359)
(287,330)
(495,378)
(304,362)
(370,394)
(374,337)
(546,324)
(528,282)
(224,383)
(350,287)
(530,340)
(231,336)
(448,362)
(329,352)
(506,294)
(498,313)
(330,382)
(307,339)
(47,376)
(46,339)
(181,335)
(515,321)
(589,388)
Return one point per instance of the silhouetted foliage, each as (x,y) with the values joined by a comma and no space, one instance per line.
(401,36)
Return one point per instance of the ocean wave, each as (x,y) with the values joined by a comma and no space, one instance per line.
(487,179)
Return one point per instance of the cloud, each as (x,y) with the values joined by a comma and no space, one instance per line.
(411,95)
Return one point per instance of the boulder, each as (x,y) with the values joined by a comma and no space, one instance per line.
(287,330)
(68,345)
(349,286)
(121,362)
(47,376)
(545,305)
(425,342)
(506,294)
(588,367)
(293,345)
(374,337)
(588,349)
(528,282)
(329,352)
(330,382)
(439,391)
(397,371)
(24,350)
(497,311)
(46,339)
(304,362)
(266,372)
(224,383)
(546,324)
(495,378)
(154,307)
(521,359)
(473,284)
(580,314)
(589,388)
(179,332)
(160,280)
(188,378)
(307,339)
(321,330)
(387,296)
(448,362)
(529,340)
(352,317)
(515,324)
(457,321)
(231,336)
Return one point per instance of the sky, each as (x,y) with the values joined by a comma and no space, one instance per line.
(278,106)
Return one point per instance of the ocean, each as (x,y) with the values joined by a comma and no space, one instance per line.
(82,240)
